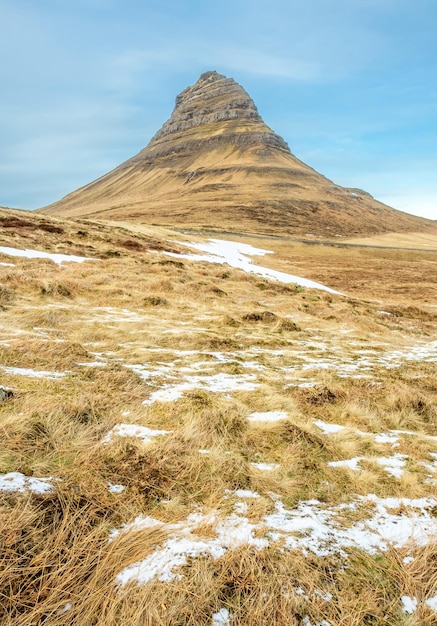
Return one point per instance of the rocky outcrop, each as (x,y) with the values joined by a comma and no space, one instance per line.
(167,147)
(5,394)
(215,164)
(213,99)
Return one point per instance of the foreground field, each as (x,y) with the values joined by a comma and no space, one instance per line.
(184,442)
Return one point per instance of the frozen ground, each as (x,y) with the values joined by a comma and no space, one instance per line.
(311,528)
(299,365)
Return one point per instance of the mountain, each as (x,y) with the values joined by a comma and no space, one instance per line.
(216,165)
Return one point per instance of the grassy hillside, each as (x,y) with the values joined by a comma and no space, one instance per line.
(185,443)
(226,187)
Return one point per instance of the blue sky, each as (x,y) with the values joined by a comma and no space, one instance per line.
(351,85)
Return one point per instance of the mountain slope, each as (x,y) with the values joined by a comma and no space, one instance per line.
(216,165)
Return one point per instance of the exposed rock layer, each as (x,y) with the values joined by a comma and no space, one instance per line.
(216,165)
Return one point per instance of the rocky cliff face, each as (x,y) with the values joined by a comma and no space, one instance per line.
(214,98)
(214,111)
(215,164)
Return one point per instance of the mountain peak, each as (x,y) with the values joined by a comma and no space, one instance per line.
(213,99)
(215,164)
(211,75)
(214,90)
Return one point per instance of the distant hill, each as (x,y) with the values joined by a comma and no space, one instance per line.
(215,165)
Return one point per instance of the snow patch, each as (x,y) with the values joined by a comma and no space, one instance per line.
(21,371)
(246,493)
(116,488)
(265,467)
(38,254)
(328,429)
(237,255)
(352,464)
(267,416)
(409,605)
(311,527)
(183,543)
(386,438)
(431,603)
(93,364)
(221,618)
(16,481)
(134,430)
(393,465)
(217,383)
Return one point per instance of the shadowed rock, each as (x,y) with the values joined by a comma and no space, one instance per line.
(5,394)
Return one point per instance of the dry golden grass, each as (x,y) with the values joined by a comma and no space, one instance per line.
(145,323)
(414,240)
(392,276)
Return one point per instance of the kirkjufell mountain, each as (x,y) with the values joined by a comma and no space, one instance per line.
(215,165)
